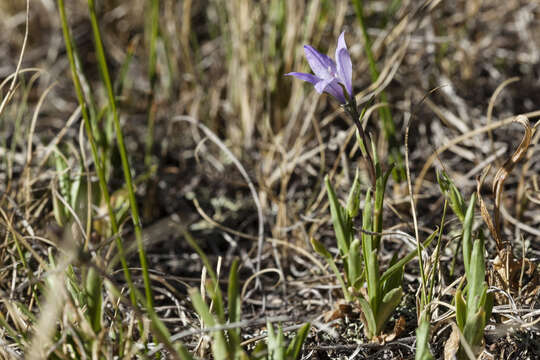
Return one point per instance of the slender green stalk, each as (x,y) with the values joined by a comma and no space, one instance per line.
(364,140)
(437,252)
(152,71)
(93,147)
(384,112)
(123,155)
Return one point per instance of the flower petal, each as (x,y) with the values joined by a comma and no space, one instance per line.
(344,64)
(331,87)
(341,43)
(322,65)
(344,68)
(306,77)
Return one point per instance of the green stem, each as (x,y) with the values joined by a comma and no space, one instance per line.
(351,109)
(123,155)
(93,147)
(152,71)
(437,251)
(389,127)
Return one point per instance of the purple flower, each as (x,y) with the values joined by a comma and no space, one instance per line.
(329,77)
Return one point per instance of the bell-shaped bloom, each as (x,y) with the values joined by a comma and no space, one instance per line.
(330,78)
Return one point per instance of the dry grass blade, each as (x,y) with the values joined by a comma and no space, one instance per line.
(508,166)
(492,100)
(457,140)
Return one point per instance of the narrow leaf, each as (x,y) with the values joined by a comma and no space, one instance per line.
(319,248)
(340,219)
(369,317)
(401,263)
(461,310)
(467,235)
(219,345)
(422,340)
(354,263)
(353,202)
(235,307)
(389,303)
(293,351)
(477,276)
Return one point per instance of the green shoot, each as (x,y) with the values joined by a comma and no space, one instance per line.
(360,256)
(473,314)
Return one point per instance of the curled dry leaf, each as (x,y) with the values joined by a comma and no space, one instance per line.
(340,310)
(508,166)
(507,271)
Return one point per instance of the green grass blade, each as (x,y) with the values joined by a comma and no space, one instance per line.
(214,289)
(235,307)
(467,236)
(102,62)
(219,345)
(97,161)
(295,347)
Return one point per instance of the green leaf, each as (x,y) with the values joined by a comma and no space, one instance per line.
(320,249)
(389,303)
(219,345)
(293,351)
(374,285)
(461,310)
(370,318)
(380,188)
(94,300)
(276,343)
(450,190)
(422,340)
(401,263)
(477,276)
(353,202)
(182,352)
(367,218)
(340,219)
(467,235)
(214,290)
(474,328)
(235,307)
(396,279)
(354,263)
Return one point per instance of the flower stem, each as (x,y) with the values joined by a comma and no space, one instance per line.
(351,109)
(389,127)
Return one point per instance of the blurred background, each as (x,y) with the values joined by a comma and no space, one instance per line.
(222,64)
